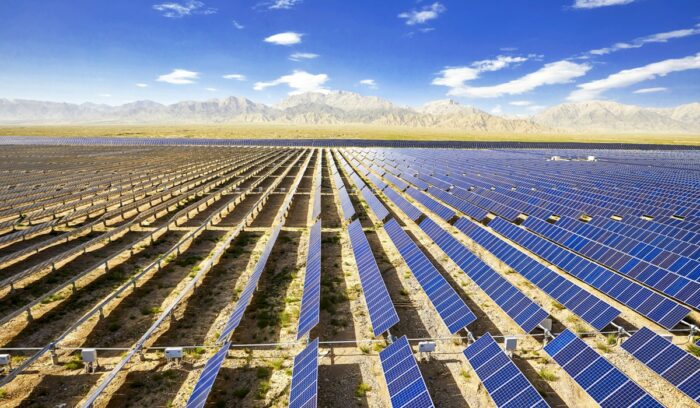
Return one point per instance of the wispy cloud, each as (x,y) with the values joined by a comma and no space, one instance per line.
(370,83)
(649,39)
(299,81)
(286,38)
(628,77)
(105,95)
(559,72)
(211,89)
(520,103)
(299,56)
(142,85)
(179,77)
(283,4)
(455,77)
(237,25)
(650,90)
(182,9)
(591,4)
(235,77)
(423,15)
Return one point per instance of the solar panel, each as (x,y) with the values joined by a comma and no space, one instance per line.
(504,382)
(666,359)
(451,308)
(247,294)
(400,184)
(403,378)
(311,298)
(374,204)
(201,390)
(588,307)
(527,314)
(409,209)
(304,388)
(606,384)
(381,309)
(379,183)
(440,210)
(345,204)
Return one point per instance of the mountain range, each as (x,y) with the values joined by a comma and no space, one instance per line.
(341,108)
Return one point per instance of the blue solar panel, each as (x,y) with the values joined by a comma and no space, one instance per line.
(247,294)
(345,204)
(591,309)
(201,390)
(309,314)
(403,378)
(409,209)
(400,184)
(379,183)
(666,359)
(434,206)
(304,388)
(374,204)
(451,308)
(502,379)
(607,385)
(527,314)
(381,309)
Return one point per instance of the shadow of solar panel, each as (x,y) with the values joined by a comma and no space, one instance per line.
(591,309)
(504,382)
(607,385)
(201,390)
(527,314)
(249,290)
(403,378)
(409,209)
(379,304)
(451,308)
(666,359)
(304,389)
(309,314)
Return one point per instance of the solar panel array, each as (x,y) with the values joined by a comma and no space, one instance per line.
(526,313)
(304,388)
(403,377)
(318,174)
(374,204)
(504,382)
(666,359)
(657,308)
(201,390)
(346,207)
(309,314)
(379,304)
(587,306)
(451,308)
(606,384)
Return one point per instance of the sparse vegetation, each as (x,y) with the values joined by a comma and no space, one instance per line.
(547,375)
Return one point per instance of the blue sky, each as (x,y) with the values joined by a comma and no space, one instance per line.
(504,56)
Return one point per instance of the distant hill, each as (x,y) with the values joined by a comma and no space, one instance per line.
(340,107)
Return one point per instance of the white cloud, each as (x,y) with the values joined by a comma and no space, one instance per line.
(283,4)
(179,77)
(299,81)
(650,90)
(455,77)
(591,4)
(559,72)
(370,83)
(627,77)
(236,77)
(288,38)
(520,103)
(423,15)
(211,89)
(185,8)
(497,110)
(298,56)
(142,85)
(105,95)
(238,25)
(649,39)
(501,61)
